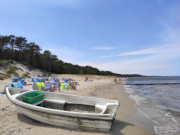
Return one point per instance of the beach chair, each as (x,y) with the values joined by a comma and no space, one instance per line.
(17,85)
(22,82)
(15,79)
(37,80)
(48,86)
(55,79)
(65,80)
(56,85)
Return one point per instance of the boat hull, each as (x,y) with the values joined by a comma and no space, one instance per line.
(68,111)
(67,121)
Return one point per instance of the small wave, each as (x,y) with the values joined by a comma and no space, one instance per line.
(168,114)
(160,104)
(168,130)
(170,126)
(173,112)
(137,99)
(156,130)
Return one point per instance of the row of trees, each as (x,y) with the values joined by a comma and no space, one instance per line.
(17,48)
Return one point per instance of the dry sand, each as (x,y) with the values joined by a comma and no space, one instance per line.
(15,123)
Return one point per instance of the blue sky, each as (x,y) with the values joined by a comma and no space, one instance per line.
(122,36)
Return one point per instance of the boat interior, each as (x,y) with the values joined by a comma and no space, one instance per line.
(67,102)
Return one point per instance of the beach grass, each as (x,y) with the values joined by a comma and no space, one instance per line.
(2,62)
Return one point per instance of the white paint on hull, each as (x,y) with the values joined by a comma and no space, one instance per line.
(67,122)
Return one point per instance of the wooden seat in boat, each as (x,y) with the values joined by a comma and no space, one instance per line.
(55,101)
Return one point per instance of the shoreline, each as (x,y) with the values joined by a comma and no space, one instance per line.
(131,115)
(18,123)
(140,119)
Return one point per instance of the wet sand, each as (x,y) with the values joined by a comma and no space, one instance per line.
(126,123)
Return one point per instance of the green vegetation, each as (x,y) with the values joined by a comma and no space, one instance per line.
(11,70)
(1,77)
(25,75)
(2,62)
(29,53)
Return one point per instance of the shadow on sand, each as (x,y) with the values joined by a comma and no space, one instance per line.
(118,126)
(115,130)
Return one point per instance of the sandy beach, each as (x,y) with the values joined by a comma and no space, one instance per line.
(126,123)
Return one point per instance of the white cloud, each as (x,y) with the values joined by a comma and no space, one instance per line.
(110,56)
(103,48)
(158,63)
(144,51)
(160,60)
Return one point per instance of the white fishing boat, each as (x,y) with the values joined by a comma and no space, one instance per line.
(65,110)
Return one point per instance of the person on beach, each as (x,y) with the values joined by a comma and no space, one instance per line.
(73,86)
(120,81)
(12,85)
(115,80)
(59,85)
(53,87)
(47,81)
(86,79)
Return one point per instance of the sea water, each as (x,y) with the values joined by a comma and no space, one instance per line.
(158,98)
